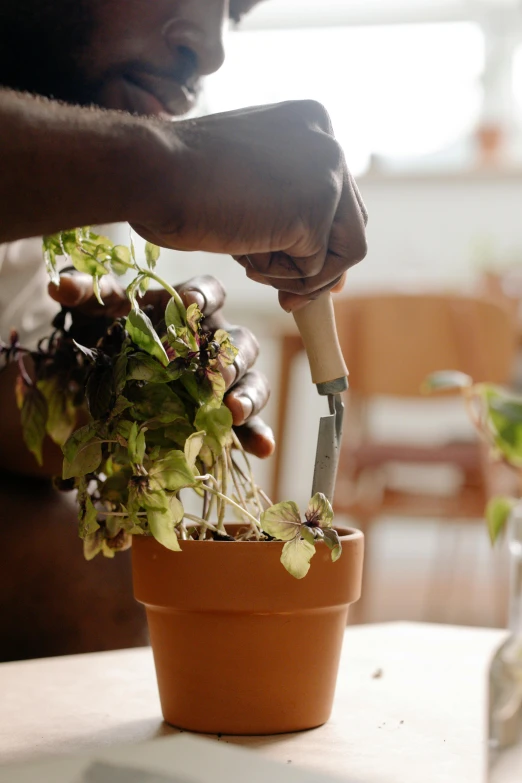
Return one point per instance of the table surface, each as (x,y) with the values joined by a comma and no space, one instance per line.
(410,706)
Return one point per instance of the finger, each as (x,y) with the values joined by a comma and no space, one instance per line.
(248,397)
(247,353)
(257,438)
(75,290)
(293,302)
(205,291)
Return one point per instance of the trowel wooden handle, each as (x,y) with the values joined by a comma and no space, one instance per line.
(316,323)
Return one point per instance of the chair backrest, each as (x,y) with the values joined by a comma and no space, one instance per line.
(392,341)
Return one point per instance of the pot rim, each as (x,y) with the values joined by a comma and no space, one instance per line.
(345,534)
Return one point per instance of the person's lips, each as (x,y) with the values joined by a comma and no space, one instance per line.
(157,95)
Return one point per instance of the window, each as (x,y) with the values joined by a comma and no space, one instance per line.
(398,91)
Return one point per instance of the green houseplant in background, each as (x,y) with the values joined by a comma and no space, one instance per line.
(497,416)
(142,425)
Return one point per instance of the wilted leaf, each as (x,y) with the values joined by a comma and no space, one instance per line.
(445,380)
(82,452)
(177,512)
(143,334)
(296,556)
(92,545)
(194,316)
(90,353)
(182,341)
(227,351)
(88,517)
(152,253)
(61,412)
(331,539)
(121,405)
(282,521)
(51,265)
(171,473)
(34,419)
(217,385)
(498,511)
(217,424)
(162,528)
(193,446)
(320,510)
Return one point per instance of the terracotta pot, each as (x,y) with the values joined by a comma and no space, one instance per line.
(240,646)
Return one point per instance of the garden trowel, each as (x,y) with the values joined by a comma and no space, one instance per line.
(316,323)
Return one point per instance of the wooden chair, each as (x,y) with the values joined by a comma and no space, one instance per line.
(391,342)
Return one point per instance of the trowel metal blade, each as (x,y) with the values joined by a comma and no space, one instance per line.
(328,447)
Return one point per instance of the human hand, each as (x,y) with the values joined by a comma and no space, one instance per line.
(248,389)
(268,185)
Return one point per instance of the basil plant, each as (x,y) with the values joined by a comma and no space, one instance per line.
(140,417)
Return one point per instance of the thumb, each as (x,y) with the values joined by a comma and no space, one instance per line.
(72,290)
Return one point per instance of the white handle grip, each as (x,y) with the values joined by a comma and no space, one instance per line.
(316,324)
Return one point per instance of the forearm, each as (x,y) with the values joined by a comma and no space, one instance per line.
(62,166)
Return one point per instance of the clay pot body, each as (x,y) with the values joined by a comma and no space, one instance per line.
(240,646)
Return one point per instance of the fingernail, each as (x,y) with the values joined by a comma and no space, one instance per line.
(246,406)
(193,296)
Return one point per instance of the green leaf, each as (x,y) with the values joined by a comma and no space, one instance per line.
(156,402)
(143,334)
(193,446)
(331,539)
(282,521)
(217,424)
(162,528)
(87,263)
(143,367)
(445,380)
(136,445)
(173,316)
(296,556)
(121,405)
(82,452)
(34,419)
(120,260)
(498,511)
(172,473)
(320,511)
(99,391)
(61,411)
(504,428)
(152,253)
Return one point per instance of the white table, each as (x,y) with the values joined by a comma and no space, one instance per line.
(421,721)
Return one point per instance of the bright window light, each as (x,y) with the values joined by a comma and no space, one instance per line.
(399,91)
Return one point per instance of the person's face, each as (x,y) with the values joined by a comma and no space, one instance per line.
(139,56)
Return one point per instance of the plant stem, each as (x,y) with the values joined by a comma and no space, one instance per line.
(224,487)
(239,446)
(224,498)
(168,288)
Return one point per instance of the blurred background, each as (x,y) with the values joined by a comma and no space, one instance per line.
(426,98)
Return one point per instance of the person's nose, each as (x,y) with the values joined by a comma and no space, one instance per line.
(200,30)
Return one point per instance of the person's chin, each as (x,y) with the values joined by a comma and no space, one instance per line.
(124,95)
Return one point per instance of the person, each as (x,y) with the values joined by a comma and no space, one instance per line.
(87,137)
